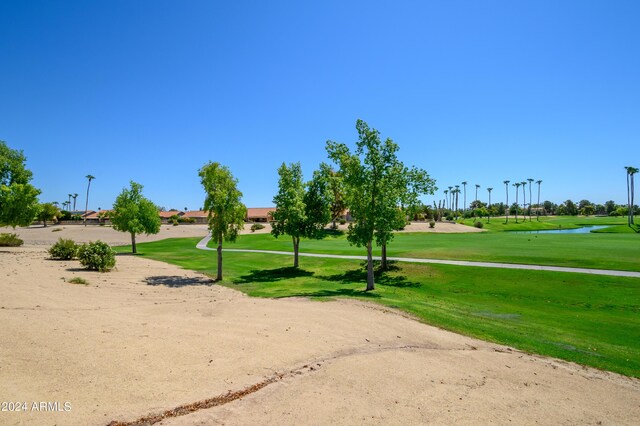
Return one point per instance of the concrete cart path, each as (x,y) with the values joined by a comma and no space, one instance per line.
(202,245)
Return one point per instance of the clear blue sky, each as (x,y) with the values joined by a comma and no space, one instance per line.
(476,91)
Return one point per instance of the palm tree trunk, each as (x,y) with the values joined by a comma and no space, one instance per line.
(628,201)
(506,216)
(133,243)
(370,284)
(538,211)
(219,275)
(86,205)
(633,222)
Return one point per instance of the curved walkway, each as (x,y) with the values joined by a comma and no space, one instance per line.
(202,245)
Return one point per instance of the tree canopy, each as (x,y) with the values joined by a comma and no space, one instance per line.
(18,198)
(378,188)
(222,202)
(135,214)
(301,210)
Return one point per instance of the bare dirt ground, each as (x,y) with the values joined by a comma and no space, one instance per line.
(40,236)
(149,337)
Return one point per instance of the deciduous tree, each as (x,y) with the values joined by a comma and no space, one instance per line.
(18,198)
(135,214)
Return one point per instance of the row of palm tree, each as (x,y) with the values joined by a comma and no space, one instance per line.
(524,183)
(451,196)
(67,204)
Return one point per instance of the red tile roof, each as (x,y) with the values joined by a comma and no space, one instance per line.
(167,215)
(259,211)
(195,213)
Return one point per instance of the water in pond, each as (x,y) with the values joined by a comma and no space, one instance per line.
(582,230)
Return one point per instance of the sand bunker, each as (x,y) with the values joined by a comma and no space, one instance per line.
(149,337)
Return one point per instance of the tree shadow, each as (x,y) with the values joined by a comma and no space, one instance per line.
(382,278)
(272,275)
(174,281)
(341,292)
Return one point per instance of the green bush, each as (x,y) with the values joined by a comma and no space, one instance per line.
(10,240)
(478,225)
(78,280)
(342,221)
(256,226)
(63,249)
(97,256)
(432,224)
(186,220)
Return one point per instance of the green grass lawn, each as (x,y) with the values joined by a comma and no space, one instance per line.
(599,251)
(592,320)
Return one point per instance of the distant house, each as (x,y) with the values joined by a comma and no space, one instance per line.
(165,216)
(101,216)
(260,214)
(198,216)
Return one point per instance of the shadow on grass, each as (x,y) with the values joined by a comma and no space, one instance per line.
(380,277)
(177,281)
(341,292)
(272,275)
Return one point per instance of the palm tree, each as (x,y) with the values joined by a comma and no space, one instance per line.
(457,191)
(86,206)
(538,211)
(446,197)
(74,196)
(69,203)
(464,205)
(630,193)
(506,214)
(450,198)
(489,206)
(474,210)
(530,181)
(517,185)
(524,199)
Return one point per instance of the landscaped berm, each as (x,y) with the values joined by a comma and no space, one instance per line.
(151,342)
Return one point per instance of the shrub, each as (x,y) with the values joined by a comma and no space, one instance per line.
(63,249)
(432,224)
(56,230)
(342,221)
(78,280)
(10,240)
(186,220)
(478,225)
(97,256)
(256,226)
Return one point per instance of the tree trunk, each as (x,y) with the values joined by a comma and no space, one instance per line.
(133,243)
(628,202)
(383,265)
(296,245)
(633,222)
(370,285)
(45,223)
(219,250)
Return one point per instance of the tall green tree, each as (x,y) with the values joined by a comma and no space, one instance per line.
(335,183)
(300,213)
(225,210)
(74,196)
(135,214)
(86,205)
(48,211)
(375,183)
(506,186)
(19,204)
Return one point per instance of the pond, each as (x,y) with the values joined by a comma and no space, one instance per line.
(582,230)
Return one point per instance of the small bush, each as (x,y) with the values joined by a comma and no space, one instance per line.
(63,249)
(186,220)
(56,230)
(432,224)
(256,226)
(97,256)
(78,280)
(10,240)
(342,221)
(478,225)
